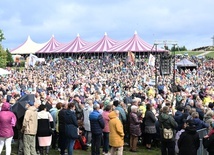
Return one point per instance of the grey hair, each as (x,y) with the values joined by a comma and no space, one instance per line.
(96,106)
(133,108)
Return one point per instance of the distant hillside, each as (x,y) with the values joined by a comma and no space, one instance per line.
(204,48)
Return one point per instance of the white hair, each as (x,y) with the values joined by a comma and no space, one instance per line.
(134,108)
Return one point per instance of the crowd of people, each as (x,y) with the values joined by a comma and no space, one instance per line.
(107,104)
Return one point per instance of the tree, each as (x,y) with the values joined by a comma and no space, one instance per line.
(3,57)
(1,36)
(3,54)
(9,59)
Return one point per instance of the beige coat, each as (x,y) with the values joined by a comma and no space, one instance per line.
(30,121)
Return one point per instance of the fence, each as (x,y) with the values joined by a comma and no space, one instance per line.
(202,150)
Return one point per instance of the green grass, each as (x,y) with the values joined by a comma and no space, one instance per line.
(211,54)
(189,52)
(141,151)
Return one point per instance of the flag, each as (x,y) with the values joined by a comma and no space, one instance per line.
(151,60)
(131,57)
(32,60)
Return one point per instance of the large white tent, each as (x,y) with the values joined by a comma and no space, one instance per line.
(28,47)
(4,72)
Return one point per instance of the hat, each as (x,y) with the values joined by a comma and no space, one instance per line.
(190,123)
(31,103)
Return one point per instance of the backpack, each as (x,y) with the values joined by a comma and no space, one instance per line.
(167,133)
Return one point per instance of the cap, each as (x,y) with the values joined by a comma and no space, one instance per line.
(31,103)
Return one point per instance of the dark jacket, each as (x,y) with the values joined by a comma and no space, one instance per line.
(79,110)
(209,143)
(149,118)
(199,124)
(179,119)
(189,142)
(167,121)
(61,116)
(70,119)
(96,122)
(200,113)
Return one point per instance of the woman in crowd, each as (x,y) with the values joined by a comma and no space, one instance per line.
(71,126)
(189,141)
(135,130)
(106,130)
(208,140)
(116,136)
(150,128)
(45,128)
(7,122)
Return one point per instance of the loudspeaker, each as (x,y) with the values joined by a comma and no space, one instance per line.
(165,65)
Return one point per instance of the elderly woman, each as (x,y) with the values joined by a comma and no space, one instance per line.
(150,129)
(135,130)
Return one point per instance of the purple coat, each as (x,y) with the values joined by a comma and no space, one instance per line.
(134,124)
(7,121)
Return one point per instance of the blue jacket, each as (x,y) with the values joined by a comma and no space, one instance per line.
(199,124)
(96,122)
(122,116)
(179,119)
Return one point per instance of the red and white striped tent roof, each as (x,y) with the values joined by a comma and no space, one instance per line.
(102,45)
(28,47)
(52,44)
(134,44)
(72,46)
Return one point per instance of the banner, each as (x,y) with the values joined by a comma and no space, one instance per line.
(32,60)
(151,60)
(131,57)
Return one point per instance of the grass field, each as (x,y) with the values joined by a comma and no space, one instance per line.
(211,54)
(141,151)
(189,52)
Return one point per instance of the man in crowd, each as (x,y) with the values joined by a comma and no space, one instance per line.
(29,128)
(97,125)
(168,122)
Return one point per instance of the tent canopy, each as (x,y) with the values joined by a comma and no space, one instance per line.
(28,47)
(70,47)
(135,44)
(185,63)
(102,45)
(52,44)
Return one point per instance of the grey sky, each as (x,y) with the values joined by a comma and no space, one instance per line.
(189,22)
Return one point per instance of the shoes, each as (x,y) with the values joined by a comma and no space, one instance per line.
(89,145)
(85,148)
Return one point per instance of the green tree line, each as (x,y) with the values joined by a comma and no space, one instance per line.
(5,55)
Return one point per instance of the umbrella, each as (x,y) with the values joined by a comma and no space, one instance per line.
(4,72)
(19,107)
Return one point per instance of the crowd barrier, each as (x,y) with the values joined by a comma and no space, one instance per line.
(202,150)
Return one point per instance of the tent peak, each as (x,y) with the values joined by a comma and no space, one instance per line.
(52,35)
(78,34)
(135,32)
(105,34)
(28,37)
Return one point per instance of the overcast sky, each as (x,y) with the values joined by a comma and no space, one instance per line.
(189,22)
